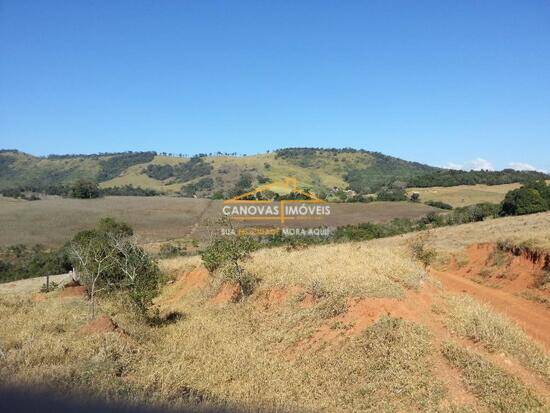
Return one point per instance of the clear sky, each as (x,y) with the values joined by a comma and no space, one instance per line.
(441,82)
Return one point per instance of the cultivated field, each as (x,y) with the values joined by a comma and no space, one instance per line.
(349,327)
(53,221)
(462,195)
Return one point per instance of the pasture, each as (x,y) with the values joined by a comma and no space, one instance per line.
(55,220)
(463,195)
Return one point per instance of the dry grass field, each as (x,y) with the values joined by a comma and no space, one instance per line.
(463,195)
(349,327)
(53,221)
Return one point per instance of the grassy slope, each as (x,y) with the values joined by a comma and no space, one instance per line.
(27,169)
(227,170)
(351,327)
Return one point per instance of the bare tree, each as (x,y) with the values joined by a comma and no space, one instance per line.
(95,260)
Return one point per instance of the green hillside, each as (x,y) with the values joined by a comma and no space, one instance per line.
(223,175)
(21,169)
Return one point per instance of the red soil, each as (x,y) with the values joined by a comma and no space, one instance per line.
(101,324)
(228,293)
(308,301)
(516,274)
(187,282)
(268,299)
(520,274)
(71,292)
(363,312)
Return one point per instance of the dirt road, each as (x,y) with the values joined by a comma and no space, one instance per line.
(533,317)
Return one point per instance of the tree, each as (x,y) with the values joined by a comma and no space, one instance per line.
(522,201)
(85,189)
(95,261)
(108,258)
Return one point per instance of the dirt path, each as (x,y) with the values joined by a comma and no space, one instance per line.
(534,318)
(31,285)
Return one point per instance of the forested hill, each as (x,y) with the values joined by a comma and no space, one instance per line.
(223,175)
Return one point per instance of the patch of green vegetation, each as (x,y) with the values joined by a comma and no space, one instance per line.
(18,169)
(201,186)
(529,199)
(439,204)
(450,177)
(113,166)
(19,262)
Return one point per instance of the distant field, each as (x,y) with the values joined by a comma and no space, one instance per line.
(54,220)
(462,195)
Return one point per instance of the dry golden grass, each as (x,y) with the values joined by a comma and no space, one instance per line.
(497,390)
(54,221)
(479,323)
(261,354)
(350,269)
(534,229)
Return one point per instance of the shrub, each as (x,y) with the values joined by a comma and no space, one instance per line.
(47,288)
(421,251)
(171,250)
(227,249)
(235,274)
(85,189)
(108,259)
(226,254)
(439,204)
(523,201)
(473,213)
(394,194)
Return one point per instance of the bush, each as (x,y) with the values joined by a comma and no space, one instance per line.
(236,275)
(171,250)
(523,201)
(421,251)
(392,195)
(108,259)
(439,204)
(225,254)
(473,213)
(227,249)
(85,189)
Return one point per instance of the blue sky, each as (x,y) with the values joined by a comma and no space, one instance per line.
(442,82)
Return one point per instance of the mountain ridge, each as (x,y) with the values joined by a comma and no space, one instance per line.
(221,174)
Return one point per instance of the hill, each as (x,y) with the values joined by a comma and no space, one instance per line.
(223,176)
(346,327)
